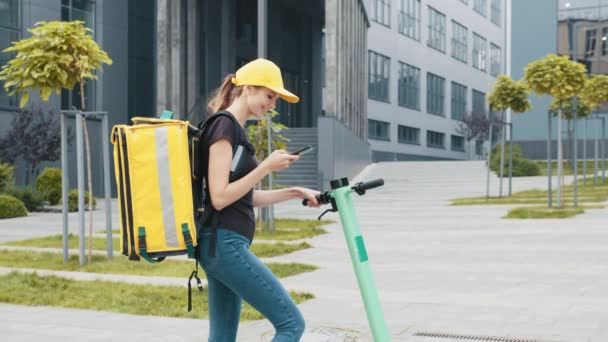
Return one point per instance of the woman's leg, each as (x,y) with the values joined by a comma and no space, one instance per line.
(224,304)
(250,279)
(224,311)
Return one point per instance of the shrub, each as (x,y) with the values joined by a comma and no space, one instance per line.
(522,167)
(48,183)
(73,200)
(31,199)
(6,176)
(11,207)
(525,168)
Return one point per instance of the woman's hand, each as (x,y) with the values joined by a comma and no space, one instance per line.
(309,195)
(279,160)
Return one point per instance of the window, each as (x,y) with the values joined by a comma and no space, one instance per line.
(435,93)
(409,18)
(480,6)
(590,38)
(409,86)
(409,135)
(435,139)
(78,10)
(10,30)
(379,71)
(494,60)
(436,30)
(479,102)
(479,52)
(459,101)
(378,130)
(479,147)
(466,2)
(459,42)
(381,12)
(457,143)
(604,41)
(495,12)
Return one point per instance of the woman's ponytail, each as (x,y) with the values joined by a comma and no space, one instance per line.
(224,95)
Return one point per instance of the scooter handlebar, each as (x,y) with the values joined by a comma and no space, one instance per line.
(368,185)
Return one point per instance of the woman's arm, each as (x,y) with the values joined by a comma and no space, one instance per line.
(224,193)
(264,198)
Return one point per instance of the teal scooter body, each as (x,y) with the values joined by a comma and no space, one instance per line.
(340,198)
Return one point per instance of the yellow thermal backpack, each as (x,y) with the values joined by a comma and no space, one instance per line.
(153,176)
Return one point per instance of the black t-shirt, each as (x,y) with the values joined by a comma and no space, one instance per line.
(238,216)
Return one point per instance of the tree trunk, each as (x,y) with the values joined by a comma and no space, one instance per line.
(89,176)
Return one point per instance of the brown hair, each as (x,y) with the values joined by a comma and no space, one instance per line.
(224,95)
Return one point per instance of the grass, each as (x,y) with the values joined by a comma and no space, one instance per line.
(293,229)
(567,167)
(121,265)
(262,250)
(169,301)
(589,193)
(543,212)
(285,230)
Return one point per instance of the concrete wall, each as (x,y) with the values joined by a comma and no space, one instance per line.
(341,153)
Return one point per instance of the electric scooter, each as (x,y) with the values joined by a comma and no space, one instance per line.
(341,201)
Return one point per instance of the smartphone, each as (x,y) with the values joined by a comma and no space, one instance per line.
(303,150)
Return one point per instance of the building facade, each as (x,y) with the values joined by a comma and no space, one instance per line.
(576,28)
(431,63)
(171,55)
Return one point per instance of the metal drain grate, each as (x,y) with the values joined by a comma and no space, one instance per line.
(474,337)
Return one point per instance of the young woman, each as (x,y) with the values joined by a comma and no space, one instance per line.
(226,232)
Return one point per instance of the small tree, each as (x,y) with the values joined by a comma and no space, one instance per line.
(560,78)
(258,136)
(595,92)
(35,137)
(58,56)
(508,94)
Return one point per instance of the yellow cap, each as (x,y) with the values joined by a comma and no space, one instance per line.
(262,72)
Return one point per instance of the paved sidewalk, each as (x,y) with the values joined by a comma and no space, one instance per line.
(438,269)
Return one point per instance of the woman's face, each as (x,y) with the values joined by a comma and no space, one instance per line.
(260,100)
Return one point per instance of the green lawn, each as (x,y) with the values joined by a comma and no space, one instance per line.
(588,193)
(121,265)
(262,250)
(543,212)
(567,167)
(285,229)
(169,301)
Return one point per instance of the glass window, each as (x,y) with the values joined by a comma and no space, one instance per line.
(435,139)
(436,30)
(409,18)
(409,86)
(494,60)
(459,101)
(379,71)
(480,6)
(378,130)
(457,143)
(590,39)
(479,102)
(459,41)
(409,135)
(479,147)
(605,41)
(479,52)
(495,12)
(10,31)
(435,93)
(78,10)
(381,12)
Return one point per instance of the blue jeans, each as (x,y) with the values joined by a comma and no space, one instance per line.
(235,273)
